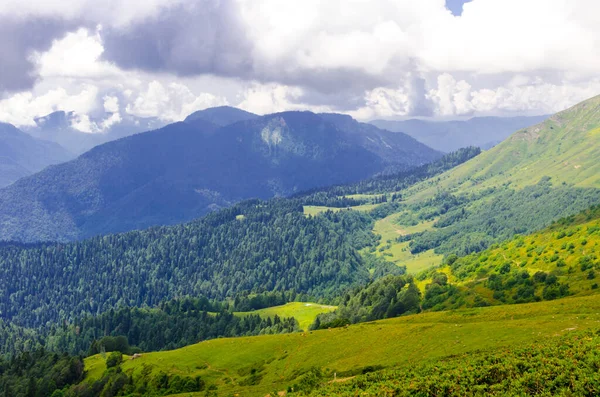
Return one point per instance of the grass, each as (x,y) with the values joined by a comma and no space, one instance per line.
(304,312)
(399,342)
(393,251)
(565,147)
(569,250)
(317,209)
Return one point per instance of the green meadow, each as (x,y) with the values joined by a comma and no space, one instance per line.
(304,312)
(255,366)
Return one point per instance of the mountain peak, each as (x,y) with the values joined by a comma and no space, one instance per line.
(221,115)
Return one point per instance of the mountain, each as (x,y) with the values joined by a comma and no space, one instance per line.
(447,136)
(253,246)
(564,147)
(221,116)
(536,176)
(58,127)
(185,170)
(22,155)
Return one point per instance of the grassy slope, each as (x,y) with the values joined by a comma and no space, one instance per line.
(566,147)
(389,229)
(304,312)
(400,342)
(556,250)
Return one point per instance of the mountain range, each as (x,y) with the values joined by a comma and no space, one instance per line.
(22,154)
(59,127)
(447,136)
(516,227)
(186,169)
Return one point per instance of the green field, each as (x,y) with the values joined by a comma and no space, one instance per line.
(304,312)
(279,360)
(317,209)
(398,252)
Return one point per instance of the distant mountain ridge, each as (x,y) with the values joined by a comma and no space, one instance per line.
(221,116)
(447,136)
(58,127)
(187,169)
(22,155)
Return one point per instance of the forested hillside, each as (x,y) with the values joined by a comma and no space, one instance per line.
(255,245)
(538,175)
(252,246)
(188,169)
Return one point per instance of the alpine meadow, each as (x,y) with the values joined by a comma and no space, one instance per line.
(284,198)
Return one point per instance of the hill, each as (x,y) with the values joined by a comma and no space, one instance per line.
(221,116)
(538,175)
(564,147)
(22,155)
(250,247)
(183,171)
(447,136)
(258,365)
(58,127)
(557,261)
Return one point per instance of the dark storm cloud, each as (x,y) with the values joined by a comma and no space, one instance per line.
(19,39)
(201,38)
(208,37)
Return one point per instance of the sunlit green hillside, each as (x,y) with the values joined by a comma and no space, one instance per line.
(255,366)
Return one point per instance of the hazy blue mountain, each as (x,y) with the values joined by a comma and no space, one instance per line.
(57,127)
(447,136)
(185,170)
(221,116)
(22,154)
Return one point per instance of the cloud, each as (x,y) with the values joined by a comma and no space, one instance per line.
(21,109)
(521,94)
(369,58)
(111,104)
(76,55)
(113,119)
(172,102)
(451,97)
(20,37)
(272,98)
(190,38)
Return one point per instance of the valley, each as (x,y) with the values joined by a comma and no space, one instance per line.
(284,198)
(362,284)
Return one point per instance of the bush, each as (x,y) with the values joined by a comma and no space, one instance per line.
(114,359)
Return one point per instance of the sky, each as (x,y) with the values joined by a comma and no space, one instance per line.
(372,59)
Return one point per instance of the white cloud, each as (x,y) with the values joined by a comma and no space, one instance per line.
(451,97)
(272,98)
(113,119)
(77,55)
(111,104)
(499,57)
(21,109)
(519,95)
(496,36)
(171,102)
